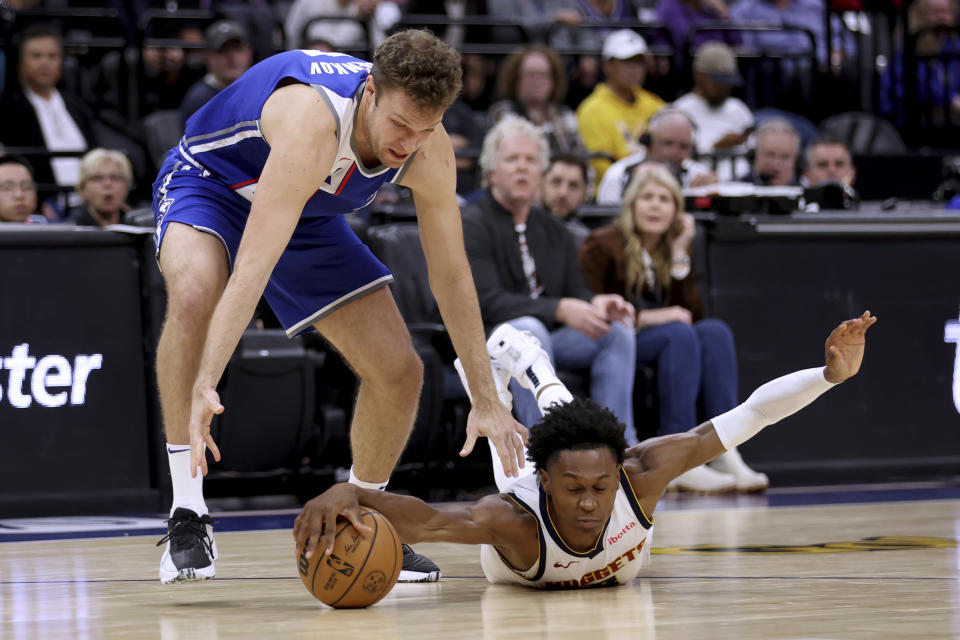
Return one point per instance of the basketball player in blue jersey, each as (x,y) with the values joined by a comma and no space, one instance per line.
(251,202)
(584,518)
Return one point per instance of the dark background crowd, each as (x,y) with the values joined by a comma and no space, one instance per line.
(876,78)
(845,100)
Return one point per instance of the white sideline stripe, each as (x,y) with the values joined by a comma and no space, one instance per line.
(21,526)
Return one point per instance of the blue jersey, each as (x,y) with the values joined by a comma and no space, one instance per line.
(224,138)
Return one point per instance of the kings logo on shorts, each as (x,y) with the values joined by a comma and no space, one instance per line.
(52,380)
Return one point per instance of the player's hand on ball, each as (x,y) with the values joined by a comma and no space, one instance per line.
(204,405)
(316,525)
(844,347)
(506,434)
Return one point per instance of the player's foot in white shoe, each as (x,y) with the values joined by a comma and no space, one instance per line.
(190,550)
(703,479)
(520,354)
(747,479)
(417,567)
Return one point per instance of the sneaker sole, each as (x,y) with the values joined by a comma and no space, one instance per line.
(701,492)
(187,575)
(419,576)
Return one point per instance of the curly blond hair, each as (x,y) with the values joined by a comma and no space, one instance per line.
(426,68)
(636,274)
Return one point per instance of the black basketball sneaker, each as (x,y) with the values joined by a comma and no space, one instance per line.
(417,568)
(190,550)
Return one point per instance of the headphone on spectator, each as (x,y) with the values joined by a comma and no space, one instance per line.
(799,166)
(646,138)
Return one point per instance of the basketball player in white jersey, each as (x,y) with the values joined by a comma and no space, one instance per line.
(583,518)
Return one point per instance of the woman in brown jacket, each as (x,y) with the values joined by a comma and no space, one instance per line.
(645,257)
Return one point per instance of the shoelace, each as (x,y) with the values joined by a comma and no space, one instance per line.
(193,525)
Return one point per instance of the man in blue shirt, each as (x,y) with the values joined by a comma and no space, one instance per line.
(251,203)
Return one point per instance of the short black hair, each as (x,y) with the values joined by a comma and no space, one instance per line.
(577,160)
(827,139)
(38,30)
(578,425)
(16,159)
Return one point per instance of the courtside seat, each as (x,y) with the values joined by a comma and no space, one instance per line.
(268,390)
(397,245)
(162,130)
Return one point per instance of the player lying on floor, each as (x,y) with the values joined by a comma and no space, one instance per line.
(583,518)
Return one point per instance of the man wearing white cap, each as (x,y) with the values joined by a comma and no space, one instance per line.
(612,118)
(723,122)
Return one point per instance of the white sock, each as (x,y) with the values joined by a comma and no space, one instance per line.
(547,387)
(363,484)
(187,491)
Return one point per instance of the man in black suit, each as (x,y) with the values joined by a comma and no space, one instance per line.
(37,114)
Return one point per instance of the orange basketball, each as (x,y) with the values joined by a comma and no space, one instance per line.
(360,570)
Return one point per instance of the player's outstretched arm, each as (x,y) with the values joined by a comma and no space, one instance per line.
(488,521)
(432,179)
(662,459)
(302,136)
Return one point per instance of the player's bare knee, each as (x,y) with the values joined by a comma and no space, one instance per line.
(191,304)
(402,374)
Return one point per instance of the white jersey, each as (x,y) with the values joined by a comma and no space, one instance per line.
(622,549)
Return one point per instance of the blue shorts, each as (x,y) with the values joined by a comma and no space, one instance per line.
(324,266)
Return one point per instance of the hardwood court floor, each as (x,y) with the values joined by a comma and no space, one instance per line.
(904,584)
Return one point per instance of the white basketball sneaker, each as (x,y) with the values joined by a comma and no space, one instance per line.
(747,479)
(703,479)
(190,550)
(520,354)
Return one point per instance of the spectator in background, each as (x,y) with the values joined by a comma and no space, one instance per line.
(579,33)
(478,74)
(163,79)
(535,20)
(584,76)
(37,114)
(775,155)
(933,22)
(646,258)
(612,118)
(18,191)
(828,160)
(228,55)
(680,16)
(533,83)
(724,123)
(809,14)
(670,141)
(828,176)
(466,128)
(359,18)
(524,262)
(565,190)
(105,179)
(454,35)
